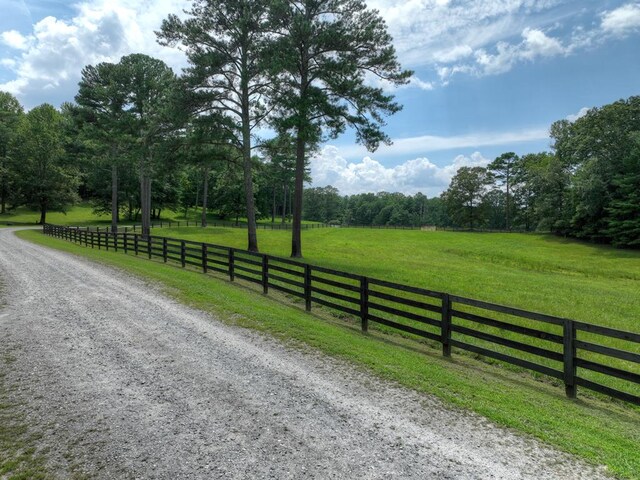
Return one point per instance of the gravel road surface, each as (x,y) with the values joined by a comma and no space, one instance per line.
(122,382)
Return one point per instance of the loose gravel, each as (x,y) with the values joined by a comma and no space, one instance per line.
(122,382)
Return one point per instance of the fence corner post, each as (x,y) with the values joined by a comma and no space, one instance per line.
(364,304)
(205,254)
(265,274)
(307,287)
(569,355)
(445,325)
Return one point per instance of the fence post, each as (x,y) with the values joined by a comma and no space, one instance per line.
(135,243)
(149,237)
(204,257)
(115,241)
(445,325)
(182,253)
(231,264)
(99,246)
(164,249)
(307,287)
(569,350)
(364,304)
(125,241)
(265,274)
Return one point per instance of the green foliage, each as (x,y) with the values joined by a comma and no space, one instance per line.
(225,43)
(319,63)
(464,197)
(600,149)
(10,114)
(43,178)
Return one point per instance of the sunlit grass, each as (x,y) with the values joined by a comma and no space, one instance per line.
(542,273)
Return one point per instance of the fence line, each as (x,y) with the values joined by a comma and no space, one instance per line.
(594,357)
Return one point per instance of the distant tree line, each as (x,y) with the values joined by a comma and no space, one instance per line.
(588,187)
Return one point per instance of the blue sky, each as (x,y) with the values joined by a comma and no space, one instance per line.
(490,75)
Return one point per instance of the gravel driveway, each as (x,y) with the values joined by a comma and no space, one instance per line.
(122,382)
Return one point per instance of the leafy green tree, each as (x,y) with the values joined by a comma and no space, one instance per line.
(323,204)
(44,180)
(225,44)
(150,114)
(502,169)
(465,195)
(623,220)
(10,114)
(102,97)
(324,51)
(595,150)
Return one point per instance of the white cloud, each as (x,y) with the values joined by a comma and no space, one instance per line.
(480,37)
(622,20)
(329,167)
(421,145)
(535,44)
(575,116)
(15,39)
(53,55)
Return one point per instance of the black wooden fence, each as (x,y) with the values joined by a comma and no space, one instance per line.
(598,358)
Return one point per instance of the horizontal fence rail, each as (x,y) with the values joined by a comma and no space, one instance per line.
(577,354)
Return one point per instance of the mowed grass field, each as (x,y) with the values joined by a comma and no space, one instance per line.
(592,283)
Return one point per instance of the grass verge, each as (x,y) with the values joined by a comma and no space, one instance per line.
(600,431)
(19,459)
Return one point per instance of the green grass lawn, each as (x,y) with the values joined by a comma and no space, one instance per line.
(601,431)
(543,273)
(83,215)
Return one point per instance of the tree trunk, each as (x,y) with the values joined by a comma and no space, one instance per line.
(284,202)
(43,213)
(205,193)
(3,197)
(296,227)
(145,202)
(273,206)
(252,235)
(114,198)
(507,224)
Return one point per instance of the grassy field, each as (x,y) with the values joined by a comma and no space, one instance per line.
(543,273)
(82,215)
(601,431)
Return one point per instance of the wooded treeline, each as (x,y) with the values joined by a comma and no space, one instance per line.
(140,138)
(587,187)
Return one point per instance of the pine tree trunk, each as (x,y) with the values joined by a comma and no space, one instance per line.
(273,206)
(114,198)
(205,192)
(252,235)
(284,203)
(296,227)
(145,202)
